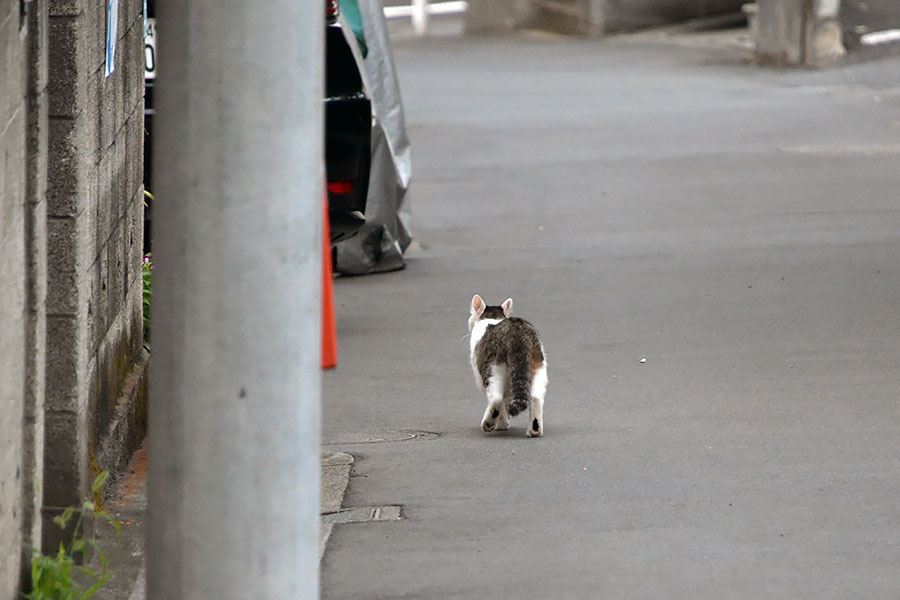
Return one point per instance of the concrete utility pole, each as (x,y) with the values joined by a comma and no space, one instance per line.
(234,416)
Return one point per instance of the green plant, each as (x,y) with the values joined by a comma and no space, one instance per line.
(147,273)
(59,576)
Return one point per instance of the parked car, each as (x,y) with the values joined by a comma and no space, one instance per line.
(348,128)
(149,80)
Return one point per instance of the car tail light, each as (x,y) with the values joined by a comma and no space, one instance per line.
(340,187)
(331,10)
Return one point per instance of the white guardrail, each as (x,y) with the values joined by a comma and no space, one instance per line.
(420,10)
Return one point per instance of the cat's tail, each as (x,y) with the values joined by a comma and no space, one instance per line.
(519,382)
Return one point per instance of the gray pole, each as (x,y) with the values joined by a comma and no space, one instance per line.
(235,381)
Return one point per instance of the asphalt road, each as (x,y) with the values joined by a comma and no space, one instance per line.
(739,228)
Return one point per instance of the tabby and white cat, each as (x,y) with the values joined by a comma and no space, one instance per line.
(509,364)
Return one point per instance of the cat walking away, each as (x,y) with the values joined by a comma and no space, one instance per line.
(509,364)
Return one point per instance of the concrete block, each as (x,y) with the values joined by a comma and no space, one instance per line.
(108,91)
(38,42)
(116,289)
(127,138)
(12,67)
(92,115)
(119,79)
(127,426)
(33,470)
(108,384)
(35,376)
(101,208)
(120,175)
(134,306)
(135,302)
(67,358)
(135,249)
(36,256)
(67,166)
(96,311)
(53,535)
(68,248)
(95,15)
(132,14)
(136,78)
(6,9)
(129,55)
(134,147)
(12,183)
(10,505)
(65,458)
(105,200)
(115,360)
(67,84)
(13,304)
(66,8)
(103,312)
(37,144)
(132,67)
(128,310)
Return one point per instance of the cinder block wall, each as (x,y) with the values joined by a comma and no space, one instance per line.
(36,280)
(95,233)
(72,382)
(13,118)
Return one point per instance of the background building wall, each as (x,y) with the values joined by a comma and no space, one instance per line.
(588,17)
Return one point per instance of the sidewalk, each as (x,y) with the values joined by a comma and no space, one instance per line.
(128,504)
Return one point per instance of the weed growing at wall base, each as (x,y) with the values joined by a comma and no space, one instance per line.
(59,576)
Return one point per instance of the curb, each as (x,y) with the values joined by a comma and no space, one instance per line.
(335,478)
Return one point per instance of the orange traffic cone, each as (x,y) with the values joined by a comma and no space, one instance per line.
(329,329)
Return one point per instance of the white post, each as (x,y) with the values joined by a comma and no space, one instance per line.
(235,379)
(420,17)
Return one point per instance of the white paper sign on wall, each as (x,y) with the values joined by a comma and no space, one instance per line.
(112,34)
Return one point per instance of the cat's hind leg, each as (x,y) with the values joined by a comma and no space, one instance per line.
(493,390)
(538,392)
(503,417)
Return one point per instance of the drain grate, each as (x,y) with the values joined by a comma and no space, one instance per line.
(379,437)
(363,514)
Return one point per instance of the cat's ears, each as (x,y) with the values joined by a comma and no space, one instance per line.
(478,305)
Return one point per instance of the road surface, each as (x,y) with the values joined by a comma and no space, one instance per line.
(739,228)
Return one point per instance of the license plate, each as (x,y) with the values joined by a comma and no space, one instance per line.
(150,49)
